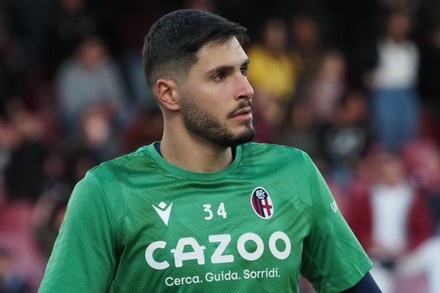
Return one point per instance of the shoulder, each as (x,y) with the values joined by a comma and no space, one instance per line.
(112,177)
(139,161)
(283,160)
(106,184)
(276,153)
(259,147)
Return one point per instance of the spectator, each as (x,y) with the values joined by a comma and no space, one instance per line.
(91,94)
(22,139)
(394,98)
(392,221)
(299,128)
(326,86)
(346,139)
(307,46)
(422,161)
(272,73)
(48,207)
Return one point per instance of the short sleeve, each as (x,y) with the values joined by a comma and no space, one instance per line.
(333,259)
(83,258)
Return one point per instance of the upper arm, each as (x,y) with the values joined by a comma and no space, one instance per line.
(83,258)
(333,259)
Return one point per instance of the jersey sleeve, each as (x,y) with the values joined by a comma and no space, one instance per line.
(83,257)
(333,259)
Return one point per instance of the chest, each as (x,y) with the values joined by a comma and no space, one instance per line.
(221,233)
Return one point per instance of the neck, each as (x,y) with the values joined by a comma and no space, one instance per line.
(194,154)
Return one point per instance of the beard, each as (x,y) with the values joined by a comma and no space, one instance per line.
(208,127)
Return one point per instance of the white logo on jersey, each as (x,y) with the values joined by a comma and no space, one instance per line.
(334,206)
(164,211)
(189,249)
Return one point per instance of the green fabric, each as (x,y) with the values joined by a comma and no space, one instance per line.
(113,238)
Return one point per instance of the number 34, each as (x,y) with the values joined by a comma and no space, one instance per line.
(221,211)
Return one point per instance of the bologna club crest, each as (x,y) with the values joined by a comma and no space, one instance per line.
(262,203)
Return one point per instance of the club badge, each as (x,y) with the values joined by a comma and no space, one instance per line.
(262,203)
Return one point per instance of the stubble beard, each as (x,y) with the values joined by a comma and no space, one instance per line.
(211,129)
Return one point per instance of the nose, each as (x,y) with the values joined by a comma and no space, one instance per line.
(246,91)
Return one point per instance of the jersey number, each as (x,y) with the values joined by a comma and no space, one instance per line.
(221,211)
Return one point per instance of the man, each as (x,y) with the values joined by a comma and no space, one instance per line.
(204,210)
(393,222)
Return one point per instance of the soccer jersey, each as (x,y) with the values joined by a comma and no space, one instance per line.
(140,224)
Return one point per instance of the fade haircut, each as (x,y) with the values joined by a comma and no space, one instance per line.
(171,46)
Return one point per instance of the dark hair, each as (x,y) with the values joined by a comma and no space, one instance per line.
(171,45)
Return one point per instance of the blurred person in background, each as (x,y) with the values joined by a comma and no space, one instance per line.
(47,216)
(346,138)
(395,102)
(422,162)
(307,46)
(318,86)
(65,166)
(23,176)
(299,128)
(320,93)
(92,98)
(327,86)
(392,220)
(273,74)
(25,151)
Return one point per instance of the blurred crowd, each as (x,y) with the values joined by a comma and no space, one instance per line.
(356,84)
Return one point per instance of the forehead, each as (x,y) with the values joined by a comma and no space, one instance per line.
(215,54)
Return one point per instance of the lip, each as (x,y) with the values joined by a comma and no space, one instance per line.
(243,114)
(243,111)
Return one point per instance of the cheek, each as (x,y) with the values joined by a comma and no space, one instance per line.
(211,102)
(214,109)
(211,98)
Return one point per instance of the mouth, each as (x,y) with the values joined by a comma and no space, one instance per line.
(242,114)
(242,111)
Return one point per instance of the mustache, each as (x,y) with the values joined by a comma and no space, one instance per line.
(241,106)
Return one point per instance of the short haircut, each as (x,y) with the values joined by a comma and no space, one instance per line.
(171,46)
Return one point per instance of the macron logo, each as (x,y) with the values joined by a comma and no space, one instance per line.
(334,206)
(164,211)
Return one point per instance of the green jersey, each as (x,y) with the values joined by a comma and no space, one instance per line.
(140,224)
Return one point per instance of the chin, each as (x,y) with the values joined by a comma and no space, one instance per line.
(244,137)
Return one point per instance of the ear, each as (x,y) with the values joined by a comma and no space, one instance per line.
(167,94)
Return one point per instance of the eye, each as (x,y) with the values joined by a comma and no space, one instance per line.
(244,70)
(219,76)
